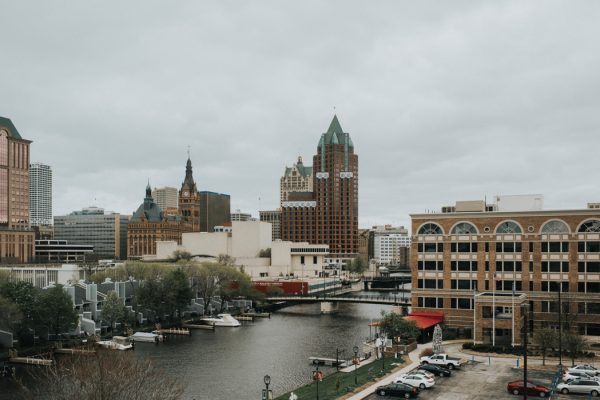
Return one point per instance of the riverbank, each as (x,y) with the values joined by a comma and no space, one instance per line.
(341,385)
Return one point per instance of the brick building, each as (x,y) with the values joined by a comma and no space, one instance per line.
(16,237)
(328,214)
(477,265)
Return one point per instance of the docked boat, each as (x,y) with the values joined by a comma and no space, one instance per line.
(222,320)
(147,337)
(117,343)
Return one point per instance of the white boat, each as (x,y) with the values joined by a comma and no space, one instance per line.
(222,320)
(147,337)
(117,343)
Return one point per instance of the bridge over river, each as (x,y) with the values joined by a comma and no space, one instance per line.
(329,301)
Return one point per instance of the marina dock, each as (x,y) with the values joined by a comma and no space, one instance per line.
(208,327)
(332,362)
(31,361)
(175,331)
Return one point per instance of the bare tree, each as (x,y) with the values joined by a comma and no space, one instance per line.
(106,375)
(545,339)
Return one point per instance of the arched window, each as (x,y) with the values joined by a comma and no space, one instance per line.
(430,229)
(593,225)
(508,227)
(555,226)
(464,228)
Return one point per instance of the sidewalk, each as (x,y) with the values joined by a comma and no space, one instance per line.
(414,358)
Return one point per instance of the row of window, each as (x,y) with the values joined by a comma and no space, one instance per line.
(510,247)
(509,227)
(508,285)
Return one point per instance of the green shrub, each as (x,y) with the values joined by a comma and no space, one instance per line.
(426,353)
(468,345)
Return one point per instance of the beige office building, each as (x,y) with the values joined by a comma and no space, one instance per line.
(298,178)
(477,264)
(166,198)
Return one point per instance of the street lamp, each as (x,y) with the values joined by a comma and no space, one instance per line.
(267,381)
(383,353)
(525,312)
(355,362)
(317,375)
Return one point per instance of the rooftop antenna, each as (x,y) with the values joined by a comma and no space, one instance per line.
(188,151)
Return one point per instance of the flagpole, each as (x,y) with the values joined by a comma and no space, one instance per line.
(474,314)
(494,309)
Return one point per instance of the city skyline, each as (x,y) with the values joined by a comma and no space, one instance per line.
(443,103)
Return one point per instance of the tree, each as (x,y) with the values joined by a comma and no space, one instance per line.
(24,295)
(574,344)
(226,260)
(357,266)
(395,326)
(54,310)
(181,255)
(545,339)
(113,309)
(10,315)
(151,296)
(265,253)
(106,375)
(178,291)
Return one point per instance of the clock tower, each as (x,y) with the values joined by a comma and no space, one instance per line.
(189,201)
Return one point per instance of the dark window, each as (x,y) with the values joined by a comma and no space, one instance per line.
(420,302)
(453,247)
(420,247)
(581,266)
(465,304)
(487,247)
(440,247)
(487,265)
(464,247)
(531,247)
(593,266)
(430,247)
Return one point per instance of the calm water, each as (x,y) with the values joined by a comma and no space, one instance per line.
(231,362)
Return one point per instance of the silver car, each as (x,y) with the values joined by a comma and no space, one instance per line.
(588,369)
(585,386)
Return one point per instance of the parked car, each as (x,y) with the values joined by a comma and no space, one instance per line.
(443,360)
(585,386)
(398,389)
(416,380)
(590,370)
(437,370)
(517,387)
(570,375)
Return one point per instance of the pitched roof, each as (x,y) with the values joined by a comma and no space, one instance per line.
(335,134)
(148,210)
(302,169)
(12,130)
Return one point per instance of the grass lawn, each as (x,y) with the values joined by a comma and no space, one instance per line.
(338,384)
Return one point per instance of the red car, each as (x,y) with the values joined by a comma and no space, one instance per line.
(517,388)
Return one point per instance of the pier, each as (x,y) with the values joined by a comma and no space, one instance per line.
(207,327)
(175,331)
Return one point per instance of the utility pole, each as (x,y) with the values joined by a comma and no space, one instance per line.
(525,312)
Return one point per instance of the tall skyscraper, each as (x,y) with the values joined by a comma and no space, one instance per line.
(40,194)
(16,236)
(166,199)
(328,215)
(298,178)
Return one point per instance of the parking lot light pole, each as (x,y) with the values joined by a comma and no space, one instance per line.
(316,375)
(383,354)
(355,362)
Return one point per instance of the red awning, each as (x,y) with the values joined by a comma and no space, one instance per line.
(425,320)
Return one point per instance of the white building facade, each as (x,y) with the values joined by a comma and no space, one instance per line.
(40,194)
(388,244)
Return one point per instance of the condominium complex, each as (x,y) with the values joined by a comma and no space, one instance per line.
(106,231)
(391,245)
(328,214)
(273,217)
(298,178)
(166,198)
(16,236)
(40,194)
(477,266)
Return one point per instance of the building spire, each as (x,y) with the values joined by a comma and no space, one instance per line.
(189,178)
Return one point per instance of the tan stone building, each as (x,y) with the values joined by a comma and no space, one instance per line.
(477,266)
(16,237)
(298,178)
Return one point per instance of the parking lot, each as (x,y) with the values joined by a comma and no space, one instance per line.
(481,382)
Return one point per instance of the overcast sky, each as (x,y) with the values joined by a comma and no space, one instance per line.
(443,100)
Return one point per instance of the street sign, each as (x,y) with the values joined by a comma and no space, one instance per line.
(267,396)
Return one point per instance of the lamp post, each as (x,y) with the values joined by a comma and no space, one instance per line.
(337,358)
(355,362)
(317,375)
(267,381)
(525,312)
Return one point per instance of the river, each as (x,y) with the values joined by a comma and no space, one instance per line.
(230,363)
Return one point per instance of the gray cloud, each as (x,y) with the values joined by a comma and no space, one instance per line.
(443,101)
